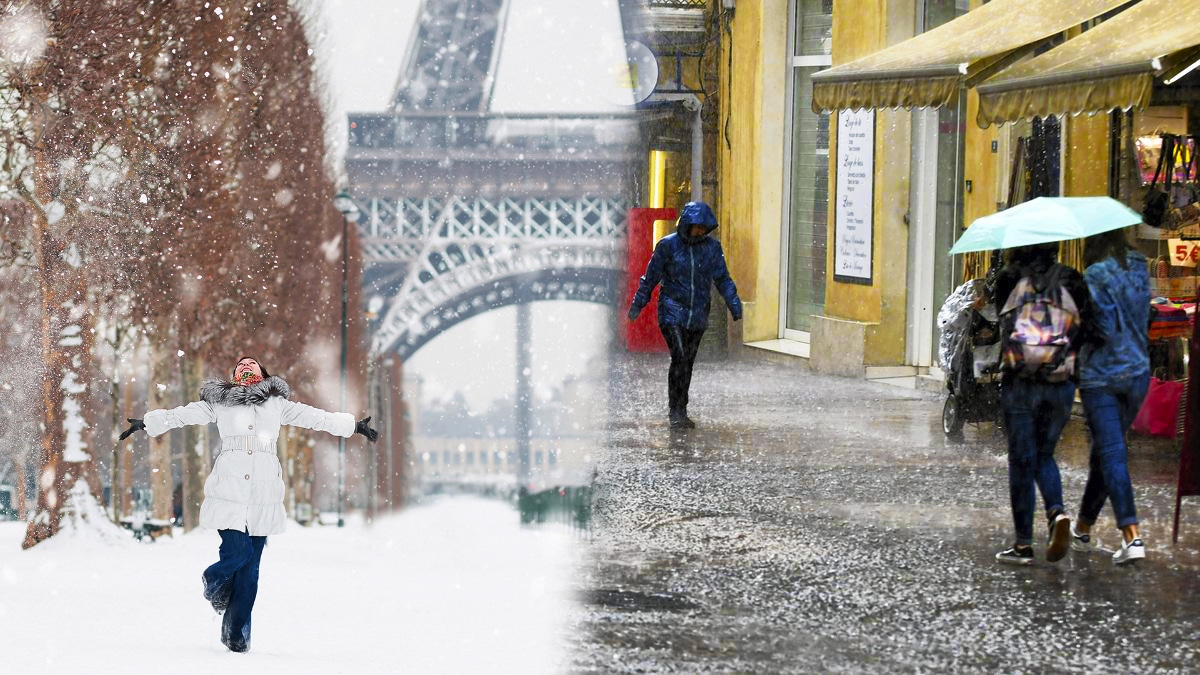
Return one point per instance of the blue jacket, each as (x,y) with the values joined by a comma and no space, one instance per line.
(1121,302)
(686,267)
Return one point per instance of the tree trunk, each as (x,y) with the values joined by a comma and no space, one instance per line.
(159,396)
(195,447)
(125,500)
(65,353)
(118,425)
(22,482)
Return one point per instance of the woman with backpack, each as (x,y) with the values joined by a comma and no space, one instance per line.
(1114,374)
(1043,307)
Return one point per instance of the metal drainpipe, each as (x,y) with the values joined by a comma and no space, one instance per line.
(692,103)
(697,154)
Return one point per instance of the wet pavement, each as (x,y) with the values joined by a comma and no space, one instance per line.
(815,524)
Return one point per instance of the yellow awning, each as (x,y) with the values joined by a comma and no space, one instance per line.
(929,69)
(1110,66)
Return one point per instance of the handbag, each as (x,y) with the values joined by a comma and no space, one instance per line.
(1159,410)
(1184,191)
(1158,200)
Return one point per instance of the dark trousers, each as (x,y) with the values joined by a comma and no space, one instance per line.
(235,577)
(683,345)
(1110,410)
(1034,416)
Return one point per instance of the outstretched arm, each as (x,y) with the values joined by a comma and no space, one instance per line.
(301,415)
(159,422)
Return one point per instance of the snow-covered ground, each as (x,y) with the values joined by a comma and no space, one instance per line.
(456,586)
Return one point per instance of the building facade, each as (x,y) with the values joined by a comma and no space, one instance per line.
(862,301)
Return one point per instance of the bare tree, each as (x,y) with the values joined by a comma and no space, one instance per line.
(170,158)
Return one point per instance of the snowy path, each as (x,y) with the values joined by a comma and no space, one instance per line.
(456,586)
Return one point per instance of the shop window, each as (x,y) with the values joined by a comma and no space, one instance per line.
(1036,160)
(1045,158)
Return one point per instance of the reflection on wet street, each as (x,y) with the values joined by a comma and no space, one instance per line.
(814,524)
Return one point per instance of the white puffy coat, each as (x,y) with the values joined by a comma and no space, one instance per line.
(245,489)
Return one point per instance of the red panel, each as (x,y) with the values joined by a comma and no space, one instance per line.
(642,335)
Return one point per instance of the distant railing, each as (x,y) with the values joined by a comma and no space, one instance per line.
(489,131)
(678,4)
(571,505)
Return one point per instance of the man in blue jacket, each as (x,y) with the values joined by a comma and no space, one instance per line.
(686,264)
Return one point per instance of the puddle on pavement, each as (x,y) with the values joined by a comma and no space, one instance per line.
(638,601)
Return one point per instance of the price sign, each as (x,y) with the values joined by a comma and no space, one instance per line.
(1184,253)
(854,218)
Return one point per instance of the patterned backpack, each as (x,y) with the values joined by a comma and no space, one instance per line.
(1037,323)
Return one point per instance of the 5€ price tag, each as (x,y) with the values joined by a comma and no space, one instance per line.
(1184,253)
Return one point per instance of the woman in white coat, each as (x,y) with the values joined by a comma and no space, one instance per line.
(243,495)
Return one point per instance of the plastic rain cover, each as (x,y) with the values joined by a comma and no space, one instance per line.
(954,321)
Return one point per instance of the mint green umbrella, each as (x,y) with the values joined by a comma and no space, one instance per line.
(1046,219)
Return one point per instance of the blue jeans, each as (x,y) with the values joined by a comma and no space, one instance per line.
(1110,410)
(235,576)
(1034,416)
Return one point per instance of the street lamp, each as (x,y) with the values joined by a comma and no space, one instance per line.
(345,204)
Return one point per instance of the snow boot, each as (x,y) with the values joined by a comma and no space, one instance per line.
(219,597)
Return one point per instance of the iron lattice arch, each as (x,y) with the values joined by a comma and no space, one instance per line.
(434,263)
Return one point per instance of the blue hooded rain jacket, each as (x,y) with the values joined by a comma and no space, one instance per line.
(687,266)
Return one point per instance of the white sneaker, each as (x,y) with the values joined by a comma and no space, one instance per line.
(1129,552)
(1082,541)
(1060,538)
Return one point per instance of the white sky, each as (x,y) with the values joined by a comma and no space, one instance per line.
(560,56)
(557,56)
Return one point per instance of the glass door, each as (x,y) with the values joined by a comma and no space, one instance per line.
(935,199)
(806,223)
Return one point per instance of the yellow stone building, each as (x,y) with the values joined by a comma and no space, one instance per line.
(852,282)
(869,309)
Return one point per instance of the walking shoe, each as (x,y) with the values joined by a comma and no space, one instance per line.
(1017,555)
(1060,538)
(1081,541)
(680,420)
(1129,551)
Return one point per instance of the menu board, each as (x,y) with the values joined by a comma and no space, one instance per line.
(855,191)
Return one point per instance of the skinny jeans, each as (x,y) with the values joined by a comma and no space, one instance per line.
(683,345)
(1035,414)
(1110,410)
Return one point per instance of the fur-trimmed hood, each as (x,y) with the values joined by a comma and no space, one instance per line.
(222,392)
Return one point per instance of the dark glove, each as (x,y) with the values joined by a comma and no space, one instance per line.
(361,427)
(737,316)
(134,425)
(633,313)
